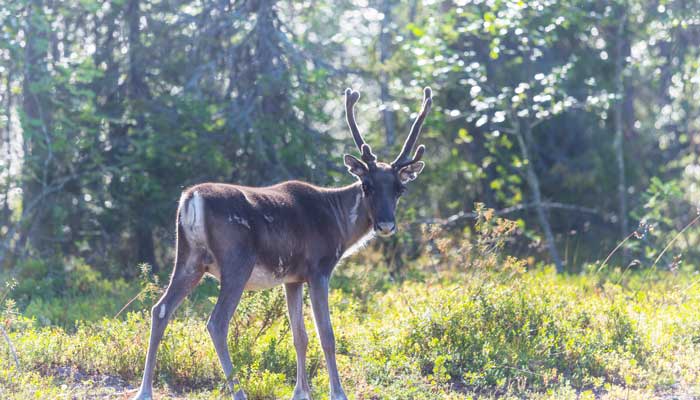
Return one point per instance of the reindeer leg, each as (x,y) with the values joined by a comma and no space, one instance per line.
(236,268)
(318,288)
(295,304)
(186,275)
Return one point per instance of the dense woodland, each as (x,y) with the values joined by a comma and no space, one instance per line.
(578,120)
(549,249)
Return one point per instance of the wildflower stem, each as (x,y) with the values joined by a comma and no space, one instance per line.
(614,251)
(668,245)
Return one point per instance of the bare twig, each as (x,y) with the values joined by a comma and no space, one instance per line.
(668,245)
(605,262)
(11,347)
(35,203)
(129,302)
(508,210)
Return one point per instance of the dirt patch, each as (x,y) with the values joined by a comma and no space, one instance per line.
(84,385)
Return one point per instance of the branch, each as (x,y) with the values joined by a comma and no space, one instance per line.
(28,211)
(509,210)
(11,347)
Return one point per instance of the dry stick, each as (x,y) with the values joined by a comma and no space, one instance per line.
(12,348)
(614,250)
(690,286)
(668,245)
(4,332)
(691,223)
(624,271)
(129,303)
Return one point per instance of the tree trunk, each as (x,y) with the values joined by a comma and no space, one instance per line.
(36,139)
(412,11)
(6,212)
(523,132)
(136,86)
(388,117)
(145,247)
(620,134)
(137,93)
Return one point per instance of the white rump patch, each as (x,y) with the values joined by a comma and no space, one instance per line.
(192,219)
(161,315)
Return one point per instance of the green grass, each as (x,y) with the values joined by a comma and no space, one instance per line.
(464,321)
(533,334)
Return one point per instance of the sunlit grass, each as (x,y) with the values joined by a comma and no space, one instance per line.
(464,321)
(537,334)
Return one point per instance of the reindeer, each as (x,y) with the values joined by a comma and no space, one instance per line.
(292,233)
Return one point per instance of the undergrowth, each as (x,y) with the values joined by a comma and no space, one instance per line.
(466,321)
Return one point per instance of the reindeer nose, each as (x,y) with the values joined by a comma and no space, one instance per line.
(386,228)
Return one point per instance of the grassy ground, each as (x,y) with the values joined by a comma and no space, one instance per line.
(533,334)
(463,321)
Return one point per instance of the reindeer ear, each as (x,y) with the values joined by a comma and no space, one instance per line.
(355,166)
(411,171)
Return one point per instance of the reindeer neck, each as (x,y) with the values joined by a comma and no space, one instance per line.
(352,215)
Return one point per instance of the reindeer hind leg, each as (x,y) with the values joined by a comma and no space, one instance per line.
(235,269)
(186,275)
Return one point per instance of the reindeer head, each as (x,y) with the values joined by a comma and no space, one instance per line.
(382,183)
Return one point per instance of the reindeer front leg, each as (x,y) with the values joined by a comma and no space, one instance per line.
(318,289)
(295,304)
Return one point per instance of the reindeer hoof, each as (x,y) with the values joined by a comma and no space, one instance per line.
(339,396)
(301,394)
(143,396)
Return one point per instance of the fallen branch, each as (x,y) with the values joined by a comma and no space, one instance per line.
(12,348)
(509,210)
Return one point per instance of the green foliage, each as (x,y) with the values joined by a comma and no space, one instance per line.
(470,321)
(61,294)
(539,333)
(118,106)
(521,334)
(109,109)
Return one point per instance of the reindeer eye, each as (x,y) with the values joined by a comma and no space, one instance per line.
(367,188)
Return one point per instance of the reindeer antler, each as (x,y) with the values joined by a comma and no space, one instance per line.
(404,157)
(351,98)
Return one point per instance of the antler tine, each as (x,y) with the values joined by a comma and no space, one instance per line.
(351,98)
(404,156)
(419,153)
(408,161)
